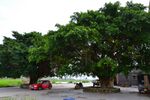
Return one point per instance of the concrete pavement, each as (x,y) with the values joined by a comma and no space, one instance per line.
(61,91)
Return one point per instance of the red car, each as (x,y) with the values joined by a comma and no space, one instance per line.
(43,84)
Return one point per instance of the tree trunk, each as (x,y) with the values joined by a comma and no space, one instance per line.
(107,82)
(33,79)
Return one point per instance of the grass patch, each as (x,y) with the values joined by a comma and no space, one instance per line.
(9,82)
(6,82)
(58,81)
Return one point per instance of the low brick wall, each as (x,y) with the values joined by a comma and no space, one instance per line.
(101,90)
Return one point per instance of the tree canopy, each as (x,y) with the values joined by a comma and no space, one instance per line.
(110,40)
(15,56)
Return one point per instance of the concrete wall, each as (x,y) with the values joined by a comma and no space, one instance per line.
(130,80)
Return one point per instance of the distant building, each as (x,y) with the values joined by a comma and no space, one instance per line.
(130,80)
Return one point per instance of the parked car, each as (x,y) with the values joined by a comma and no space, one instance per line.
(42,84)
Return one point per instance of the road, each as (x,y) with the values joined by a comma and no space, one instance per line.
(61,91)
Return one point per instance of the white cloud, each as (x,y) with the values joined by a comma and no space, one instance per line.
(42,15)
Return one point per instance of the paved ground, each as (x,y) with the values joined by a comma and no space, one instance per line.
(61,91)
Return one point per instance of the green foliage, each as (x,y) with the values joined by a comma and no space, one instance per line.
(135,6)
(21,56)
(6,82)
(59,81)
(108,66)
(105,42)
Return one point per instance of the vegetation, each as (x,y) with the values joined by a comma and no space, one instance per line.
(106,42)
(58,81)
(9,82)
(100,43)
(14,55)
(5,82)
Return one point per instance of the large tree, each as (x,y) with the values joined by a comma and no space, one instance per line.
(105,42)
(15,56)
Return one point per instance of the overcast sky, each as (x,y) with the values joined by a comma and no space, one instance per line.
(42,15)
